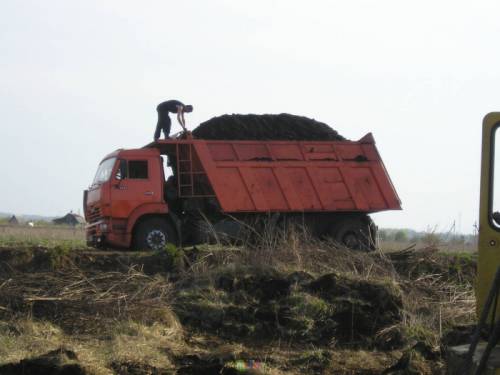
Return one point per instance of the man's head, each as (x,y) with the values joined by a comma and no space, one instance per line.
(188,108)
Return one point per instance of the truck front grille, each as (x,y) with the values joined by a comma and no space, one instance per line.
(94,214)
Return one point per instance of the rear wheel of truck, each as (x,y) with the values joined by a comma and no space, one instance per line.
(154,234)
(357,233)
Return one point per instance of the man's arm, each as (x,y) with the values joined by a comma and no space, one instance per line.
(180,116)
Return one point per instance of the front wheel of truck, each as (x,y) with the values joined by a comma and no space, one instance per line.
(154,234)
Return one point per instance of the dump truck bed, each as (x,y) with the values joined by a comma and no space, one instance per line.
(284,176)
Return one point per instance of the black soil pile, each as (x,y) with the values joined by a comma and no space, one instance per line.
(133,368)
(56,362)
(283,126)
(269,305)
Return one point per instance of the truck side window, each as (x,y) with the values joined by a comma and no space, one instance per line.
(138,169)
(495,178)
(121,173)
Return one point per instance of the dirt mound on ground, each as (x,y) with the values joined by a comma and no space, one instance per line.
(55,362)
(39,258)
(256,304)
(265,127)
(328,310)
(362,308)
(132,368)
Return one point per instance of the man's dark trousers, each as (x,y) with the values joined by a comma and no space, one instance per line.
(163,124)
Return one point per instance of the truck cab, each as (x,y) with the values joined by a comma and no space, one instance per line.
(128,185)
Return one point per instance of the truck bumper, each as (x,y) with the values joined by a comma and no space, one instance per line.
(95,234)
(99,235)
(96,241)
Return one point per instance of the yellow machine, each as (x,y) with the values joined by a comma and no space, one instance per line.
(489,228)
(481,357)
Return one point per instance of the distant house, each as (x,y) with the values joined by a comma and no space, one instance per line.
(70,219)
(13,220)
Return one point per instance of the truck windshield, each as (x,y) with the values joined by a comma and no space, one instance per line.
(104,171)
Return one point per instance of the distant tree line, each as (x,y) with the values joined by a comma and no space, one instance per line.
(430,237)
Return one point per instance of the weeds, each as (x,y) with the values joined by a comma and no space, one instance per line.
(59,255)
(276,298)
(174,255)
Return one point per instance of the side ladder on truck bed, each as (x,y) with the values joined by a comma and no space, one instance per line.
(192,180)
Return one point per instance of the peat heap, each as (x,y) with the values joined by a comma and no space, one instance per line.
(296,308)
(282,126)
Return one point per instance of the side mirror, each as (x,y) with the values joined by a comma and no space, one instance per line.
(85,196)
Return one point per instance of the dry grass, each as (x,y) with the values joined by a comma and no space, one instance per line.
(127,317)
(122,342)
(21,338)
(437,288)
(291,249)
(86,301)
(51,235)
(104,317)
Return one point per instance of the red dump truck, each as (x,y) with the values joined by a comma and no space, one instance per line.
(145,198)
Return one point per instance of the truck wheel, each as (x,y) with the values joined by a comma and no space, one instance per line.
(154,234)
(354,233)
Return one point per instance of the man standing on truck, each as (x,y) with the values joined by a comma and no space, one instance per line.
(164,122)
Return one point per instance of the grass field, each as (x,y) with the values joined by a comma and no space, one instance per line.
(49,235)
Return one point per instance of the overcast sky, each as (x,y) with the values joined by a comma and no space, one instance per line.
(79,79)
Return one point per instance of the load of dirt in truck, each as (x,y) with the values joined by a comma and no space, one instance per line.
(282,126)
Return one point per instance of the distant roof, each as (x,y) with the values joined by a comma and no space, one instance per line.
(81,219)
(70,218)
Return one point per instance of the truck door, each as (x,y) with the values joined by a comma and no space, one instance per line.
(136,182)
(489,209)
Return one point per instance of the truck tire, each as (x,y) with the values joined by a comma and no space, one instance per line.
(355,233)
(154,234)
